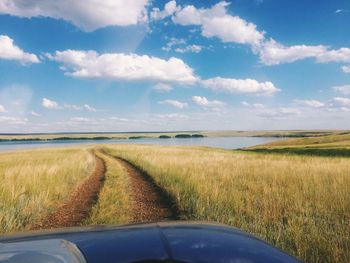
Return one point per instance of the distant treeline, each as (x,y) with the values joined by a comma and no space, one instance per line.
(183,136)
(96,138)
(56,139)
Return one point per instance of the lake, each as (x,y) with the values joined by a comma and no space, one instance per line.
(217,142)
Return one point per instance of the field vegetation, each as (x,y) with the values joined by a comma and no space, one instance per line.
(301,204)
(331,145)
(298,202)
(34,183)
(114,202)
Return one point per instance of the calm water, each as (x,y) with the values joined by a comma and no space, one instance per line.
(218,142)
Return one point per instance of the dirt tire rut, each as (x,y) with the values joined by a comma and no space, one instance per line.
(78,207)
(150,202)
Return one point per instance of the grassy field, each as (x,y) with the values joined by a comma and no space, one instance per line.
(331,145)
(301,204)
(114,203)
(35,182)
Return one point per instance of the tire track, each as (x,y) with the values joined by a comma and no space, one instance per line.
(150,202)
(79,205)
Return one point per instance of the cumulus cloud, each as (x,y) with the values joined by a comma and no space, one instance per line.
(204,102)
(180,45)
(118,119)
(126,67)
(2,109)
(340,101)
(172,116)
(189,48)
(345,89)
(216,22)
(341,55)
(80,119)
(35,114)
(310,103)
(174,103)
(273,53)
(173,42)
(240,86)
(88,15)
(49,104)
(9,51)
(279,113)
(89,108)
(254,105)
(169,9)
(13,120)
(162,87)
(345,69)
(72,107)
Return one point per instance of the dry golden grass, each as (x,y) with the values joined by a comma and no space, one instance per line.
(35,182)
(114,203)
(301,204)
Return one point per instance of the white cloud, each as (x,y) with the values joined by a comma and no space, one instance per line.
(240,86)
(204,102)
(79,108)
(49,104)
(189,48)
(80,119)
(13,120)
(189,15)
(162,87)
(172,116)
(346,69)
(340,101)
(345,89)
(216,22)
(35,114)
(174,103)
(9,51)
(338,11)
(310,103)
(273,53)
(118,119)
(181,46)
(279,113)
(341,55)
(72,107)
(2,109)
(254,105)
(89,108)
(88,15)
(169,9)
(173,42)
(127,67)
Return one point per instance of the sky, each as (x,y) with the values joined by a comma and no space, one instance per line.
(141,65)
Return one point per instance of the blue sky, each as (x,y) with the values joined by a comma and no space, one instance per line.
(174,65)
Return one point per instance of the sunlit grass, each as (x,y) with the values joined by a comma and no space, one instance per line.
(332,145)
(301,204)
(35,182)
(114,202)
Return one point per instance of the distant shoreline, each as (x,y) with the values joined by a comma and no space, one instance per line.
(165,135)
